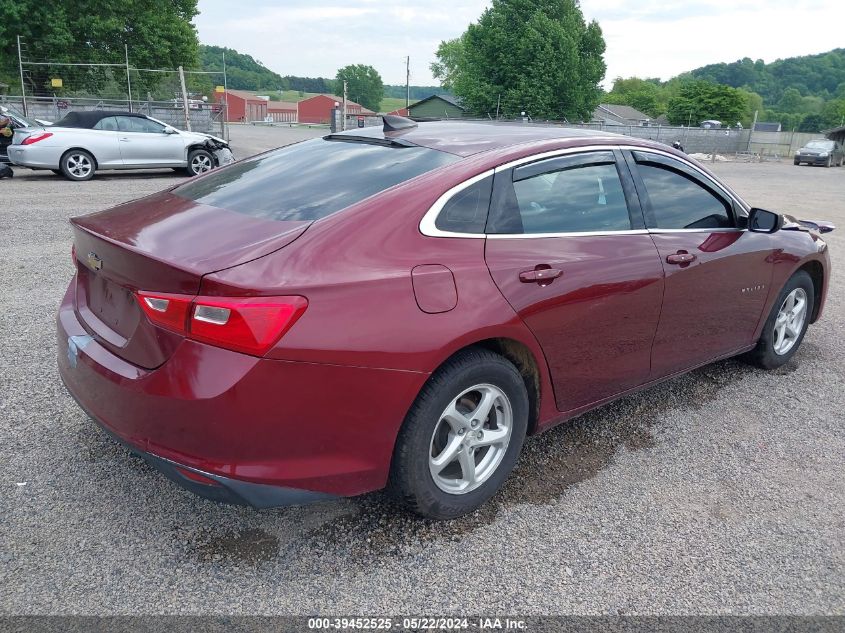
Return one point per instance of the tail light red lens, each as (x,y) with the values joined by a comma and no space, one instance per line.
(251,325)
(34,138)
(167,310)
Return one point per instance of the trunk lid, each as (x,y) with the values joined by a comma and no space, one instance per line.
(162,243)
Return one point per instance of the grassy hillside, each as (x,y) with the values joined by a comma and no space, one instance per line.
(821,75)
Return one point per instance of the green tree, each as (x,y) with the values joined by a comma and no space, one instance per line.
(158,34)
(811,123)
(646,95)
(533,56)
(698,101)
(363,83)
(833,113)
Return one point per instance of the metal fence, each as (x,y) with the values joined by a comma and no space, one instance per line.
(202,117)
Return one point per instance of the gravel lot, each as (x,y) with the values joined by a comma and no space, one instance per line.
(719,492)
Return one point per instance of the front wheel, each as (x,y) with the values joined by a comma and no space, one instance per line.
(78,165)
(787,323)
(829,163)
(199,162)
(462,436)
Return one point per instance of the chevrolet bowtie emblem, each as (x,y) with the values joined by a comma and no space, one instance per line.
(94,261)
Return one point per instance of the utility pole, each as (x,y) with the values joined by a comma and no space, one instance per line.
(128,81)
(185,99)
(343,114)
(20,67)
(407,82)
(498,102)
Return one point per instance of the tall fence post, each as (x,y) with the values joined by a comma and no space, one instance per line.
(23,88)
(128,81)
(185,99)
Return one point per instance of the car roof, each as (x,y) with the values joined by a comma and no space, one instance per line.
(466,138)
(90,118)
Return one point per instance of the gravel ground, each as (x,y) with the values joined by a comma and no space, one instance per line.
(719,492)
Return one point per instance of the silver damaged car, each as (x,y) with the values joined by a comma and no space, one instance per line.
(82,143)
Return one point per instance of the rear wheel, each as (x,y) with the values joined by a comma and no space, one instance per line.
(462,436)
(78,165)
(796,162)
(787,323)
(199,162)
(829,162)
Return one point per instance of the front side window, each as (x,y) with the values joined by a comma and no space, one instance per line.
(679,202)
(585,197)
(137,124)
(312,179)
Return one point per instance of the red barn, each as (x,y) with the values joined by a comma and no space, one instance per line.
(282,111)
(318,109)
(243,106)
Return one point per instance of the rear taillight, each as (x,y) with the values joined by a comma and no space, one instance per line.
(244,324)
(34,138)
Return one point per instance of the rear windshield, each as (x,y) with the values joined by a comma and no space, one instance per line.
(313,179)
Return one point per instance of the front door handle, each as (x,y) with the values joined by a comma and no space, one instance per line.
(541,276)
(681,258)
(124,140)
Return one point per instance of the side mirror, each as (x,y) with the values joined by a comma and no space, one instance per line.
(170,130)
(762,221)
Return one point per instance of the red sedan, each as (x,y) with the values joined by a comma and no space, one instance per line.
(400,307)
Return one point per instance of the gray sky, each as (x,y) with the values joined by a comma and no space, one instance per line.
(645,38)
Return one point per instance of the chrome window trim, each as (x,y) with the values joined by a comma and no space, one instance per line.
(427,224)
(528,236)
(721,230)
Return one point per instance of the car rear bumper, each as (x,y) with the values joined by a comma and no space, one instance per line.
(34,156)
(264,432)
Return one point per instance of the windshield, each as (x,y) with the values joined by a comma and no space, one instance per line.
(820,145)
(313,179)
(21,118)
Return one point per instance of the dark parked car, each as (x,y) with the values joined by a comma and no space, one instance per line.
(820,152)
(398,308)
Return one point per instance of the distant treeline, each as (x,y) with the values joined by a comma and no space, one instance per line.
(244,72)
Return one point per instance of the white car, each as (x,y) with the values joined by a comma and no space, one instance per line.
(84,142)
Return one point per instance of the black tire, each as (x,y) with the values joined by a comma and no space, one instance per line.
(77,165)
(764,355)
(199,162)
(829,163)
(796,162)
(411,481)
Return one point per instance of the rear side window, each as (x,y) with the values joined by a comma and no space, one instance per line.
(109,124)
(678,202)
(313,179)
(466,211)
(586,197)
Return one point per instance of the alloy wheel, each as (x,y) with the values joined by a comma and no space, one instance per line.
(200,164)
(79,165)
(789,322)
(470,439)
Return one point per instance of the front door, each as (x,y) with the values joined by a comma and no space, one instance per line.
(717,273)
(143,143)
(580,269)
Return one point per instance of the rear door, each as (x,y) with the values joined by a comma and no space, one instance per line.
(101,140)
(717,273)
(575,261)
(143,143)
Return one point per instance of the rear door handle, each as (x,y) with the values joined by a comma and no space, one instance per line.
(680,258)
(124,140)
(542,276)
